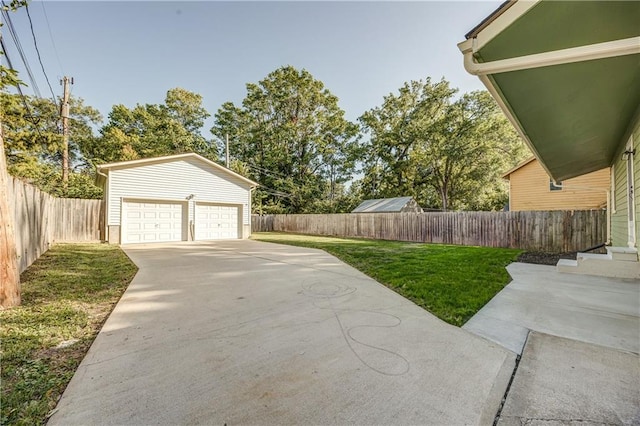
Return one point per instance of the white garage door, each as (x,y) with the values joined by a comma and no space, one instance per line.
(216,222)
(151,222)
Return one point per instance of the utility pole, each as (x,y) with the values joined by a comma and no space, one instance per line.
(227,135)
(64,113)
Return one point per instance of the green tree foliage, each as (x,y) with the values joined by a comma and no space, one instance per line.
(33,142)
(447,153)
(9,76)
(290,136)
(152,130)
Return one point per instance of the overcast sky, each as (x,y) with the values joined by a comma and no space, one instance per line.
(133,52)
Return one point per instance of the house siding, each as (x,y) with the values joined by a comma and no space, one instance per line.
(636,175)
(529,190)
(176,180)
(619,215)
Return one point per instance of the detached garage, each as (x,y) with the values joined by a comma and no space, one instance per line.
(181,197)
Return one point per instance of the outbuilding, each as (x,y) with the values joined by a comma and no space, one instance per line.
(389,205)
(182,197)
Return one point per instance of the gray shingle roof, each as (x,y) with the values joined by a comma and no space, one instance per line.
(381,205)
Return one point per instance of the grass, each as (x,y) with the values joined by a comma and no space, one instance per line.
(451,282)
(66,296)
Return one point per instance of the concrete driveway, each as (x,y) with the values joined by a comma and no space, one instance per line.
(243,332)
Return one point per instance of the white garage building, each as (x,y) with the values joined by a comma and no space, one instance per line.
(181,197)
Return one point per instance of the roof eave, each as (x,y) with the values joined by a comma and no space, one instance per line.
(131,163)
(489,19)
(518,167)
(493,26)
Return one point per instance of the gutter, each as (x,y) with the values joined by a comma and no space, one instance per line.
(99,173)
(484,70)
(609,49)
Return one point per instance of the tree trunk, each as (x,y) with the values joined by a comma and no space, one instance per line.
(9,275)
(445,199)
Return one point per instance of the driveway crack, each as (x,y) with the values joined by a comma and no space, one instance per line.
(513,376)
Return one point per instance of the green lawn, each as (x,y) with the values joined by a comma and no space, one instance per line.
(452,282)
(66,296)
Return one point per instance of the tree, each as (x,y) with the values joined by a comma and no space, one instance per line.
(446,153)
(33,143)
(293,138)
(9,76)
(152,130)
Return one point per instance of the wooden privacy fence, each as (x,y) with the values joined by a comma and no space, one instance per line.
(41,219)
(549,231)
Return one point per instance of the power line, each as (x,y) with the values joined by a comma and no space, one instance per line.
(16,41)
(35,43)
(23,97)
(271,172)
(35,121)
(53,43)
(268,190)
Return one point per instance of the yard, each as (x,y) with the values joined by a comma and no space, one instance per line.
(67,295)
(69,292)
(451,282)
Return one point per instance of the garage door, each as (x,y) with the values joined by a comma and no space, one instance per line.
(151,221)
(216,222)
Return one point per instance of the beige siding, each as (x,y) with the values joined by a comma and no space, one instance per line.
(529,190)
(176,180)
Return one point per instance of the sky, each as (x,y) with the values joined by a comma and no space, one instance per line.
(133,52)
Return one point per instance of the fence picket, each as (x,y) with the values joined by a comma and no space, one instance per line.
(549,231)
(41,219)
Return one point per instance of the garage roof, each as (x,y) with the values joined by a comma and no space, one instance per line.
(382,205)
(103,169)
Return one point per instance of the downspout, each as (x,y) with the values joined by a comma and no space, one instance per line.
(251,189)
(609,49)
(608,242)
(106,203)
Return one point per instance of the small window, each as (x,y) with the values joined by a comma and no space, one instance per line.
(553,186)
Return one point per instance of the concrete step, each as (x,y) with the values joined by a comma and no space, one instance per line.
(628,254)
(567,265)
(600,266)
(580,256)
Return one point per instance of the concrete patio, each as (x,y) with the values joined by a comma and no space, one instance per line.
(578,336)
(599,310)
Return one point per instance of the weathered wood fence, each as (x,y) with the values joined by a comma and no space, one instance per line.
(41,219)
(549,231)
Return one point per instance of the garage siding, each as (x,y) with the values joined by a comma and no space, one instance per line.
(176,180)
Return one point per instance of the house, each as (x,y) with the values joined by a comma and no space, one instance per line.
(389,205)
(531,188)
(566,75)
(181,197)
